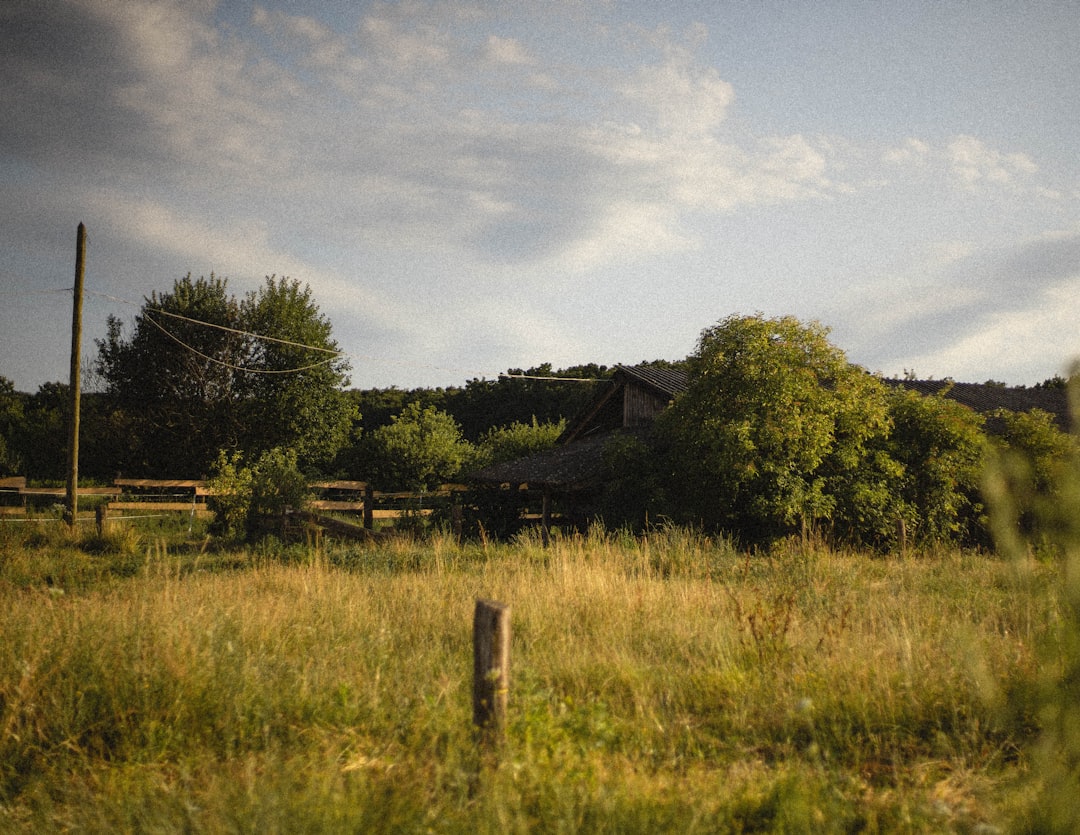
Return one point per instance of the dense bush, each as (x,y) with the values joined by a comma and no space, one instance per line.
(777,432)
(244,498)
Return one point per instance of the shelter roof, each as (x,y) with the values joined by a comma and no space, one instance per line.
(987,397)
(569,466)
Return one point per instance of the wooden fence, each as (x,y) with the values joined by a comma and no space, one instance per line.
(189,496)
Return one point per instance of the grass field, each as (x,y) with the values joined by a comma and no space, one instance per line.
(667,684)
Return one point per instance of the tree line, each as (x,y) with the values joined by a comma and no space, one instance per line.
(195,374)
(776,433)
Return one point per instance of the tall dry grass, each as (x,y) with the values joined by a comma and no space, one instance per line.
(670,683)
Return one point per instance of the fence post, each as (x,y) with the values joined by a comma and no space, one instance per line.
(491,669)
(369,506)
(101,514)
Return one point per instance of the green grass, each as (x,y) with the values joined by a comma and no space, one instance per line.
(152,683)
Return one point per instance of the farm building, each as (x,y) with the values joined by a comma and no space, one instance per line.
(635,395)
(630,402)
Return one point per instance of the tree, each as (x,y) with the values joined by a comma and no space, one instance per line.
(297,399)
(43,437)
(246,500)
(1036,458)
(773,431)
(517,398)
(421,447)
(203,372)
(505,443)
(940,445)
(11,421)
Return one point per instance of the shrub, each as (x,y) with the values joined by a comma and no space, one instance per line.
(1033,498)
(242,498)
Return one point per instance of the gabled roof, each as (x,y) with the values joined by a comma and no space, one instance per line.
(662,383)
(986,397)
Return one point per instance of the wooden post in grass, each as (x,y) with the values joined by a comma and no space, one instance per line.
(491,669)
(101,514)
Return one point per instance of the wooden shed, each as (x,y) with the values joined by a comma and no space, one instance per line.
(628,403)
(635,395)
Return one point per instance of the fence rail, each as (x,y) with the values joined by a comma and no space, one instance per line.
(190,496)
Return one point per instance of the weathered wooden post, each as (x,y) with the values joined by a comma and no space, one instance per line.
(457,521)
(369,506)
(101,514)
(491,669)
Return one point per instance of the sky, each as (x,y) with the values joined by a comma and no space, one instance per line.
(470,187)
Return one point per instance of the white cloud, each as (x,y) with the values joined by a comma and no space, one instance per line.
(912,151)
(972,162)
(507,51)
(683,100)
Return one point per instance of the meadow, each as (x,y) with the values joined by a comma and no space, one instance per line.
(150,682)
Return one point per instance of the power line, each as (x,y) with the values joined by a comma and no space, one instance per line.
(555,379)
(226,328)
(229,365)
(246,333)
(335,353)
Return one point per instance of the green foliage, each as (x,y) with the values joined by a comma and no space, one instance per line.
(41,438)
(182,390)
(11,421)
(1039,456)
(774,431)
(307,409)
(1033,487)
(230,496)
(514,398)
(940,445)
(634,493)
(420,448)
(505,443)
(242,498)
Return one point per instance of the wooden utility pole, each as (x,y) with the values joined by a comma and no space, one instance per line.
(76,342)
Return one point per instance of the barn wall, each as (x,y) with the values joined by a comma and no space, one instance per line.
(640,407)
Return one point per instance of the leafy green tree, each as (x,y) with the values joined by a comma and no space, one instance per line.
(43,437)
(297,398)
(1037,456)
(421,447)
(11,421)
(518,398)
(940,445)
(773,431)
(174,381)
(505,443)
(192,380)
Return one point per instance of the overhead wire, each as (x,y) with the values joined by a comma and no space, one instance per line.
(334,353)
(232,366)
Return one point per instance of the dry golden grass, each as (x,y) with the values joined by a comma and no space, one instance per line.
(665,684)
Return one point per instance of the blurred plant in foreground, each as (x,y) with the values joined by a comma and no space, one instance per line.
(1035,514)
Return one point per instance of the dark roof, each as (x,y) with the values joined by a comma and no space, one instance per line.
(569,466)
(579,463)
(664,382)
(986,397)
